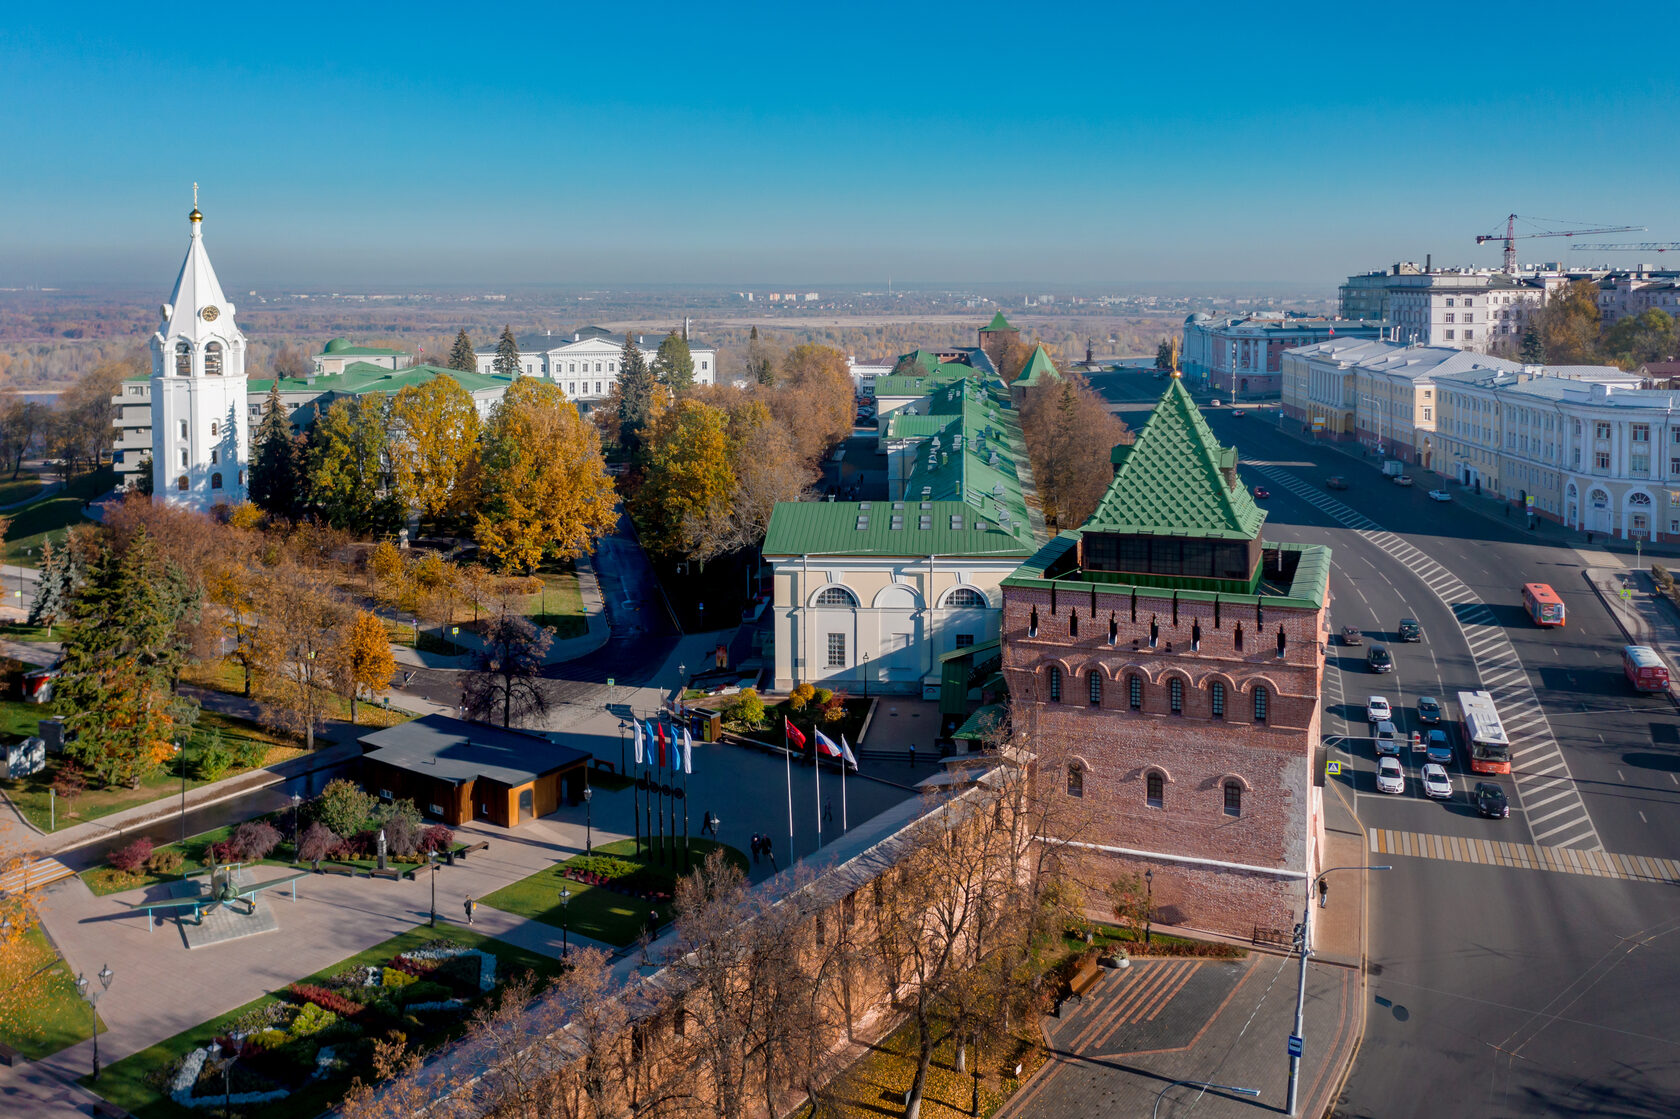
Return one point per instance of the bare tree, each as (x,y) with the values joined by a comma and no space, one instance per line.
(506,678)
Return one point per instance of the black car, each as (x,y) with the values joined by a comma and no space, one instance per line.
(1429,710)
(1490,800)
(1379,660)
(1410,630)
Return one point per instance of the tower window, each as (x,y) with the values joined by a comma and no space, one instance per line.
(1154,790)
(1073,623)
(1216,697)
(181,483)
(1094,685)
(1134,692)
(1055,684)
(215,429)
(184,458)
(1076,780)
(1175,695)
(183,359)
(215,455)
(1260,700)
(183,429)
(215,481)
(1233,799)
(213,360)
(1236,637)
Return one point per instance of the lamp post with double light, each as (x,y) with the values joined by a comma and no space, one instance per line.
(588,819)
(82,988)
(622,727)
(565,930)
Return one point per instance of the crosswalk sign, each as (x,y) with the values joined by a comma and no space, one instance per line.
(1332,769)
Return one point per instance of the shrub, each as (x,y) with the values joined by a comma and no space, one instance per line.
(821,696)
(70,781)
(424,990)
(214,759)
(745,708)
(323,998)
(312,1018)
(254,839)
(317,842)
(249,752)
(436,838)
(801,696)
(165,860)
(402,831)
(130,858)
(605,865)
(392,978)
(344,807)
(834,708)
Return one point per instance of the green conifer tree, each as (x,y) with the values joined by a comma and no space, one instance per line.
(462,356)
(636,386)
(507,354)
(1533,349)
(674,363)
(275,481)
(54,588)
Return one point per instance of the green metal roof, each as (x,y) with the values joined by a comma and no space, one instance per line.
(1039,368)
(341,347)
(1056,564)
(361,376)
(1173,481)
(888,528)
(998,323)
(985,721)
(925,373)
(980,457)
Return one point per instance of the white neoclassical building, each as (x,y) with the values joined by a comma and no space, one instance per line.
(584,362)
(200,432)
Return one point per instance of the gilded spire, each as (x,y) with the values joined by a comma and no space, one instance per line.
(195,216)
(1174,350)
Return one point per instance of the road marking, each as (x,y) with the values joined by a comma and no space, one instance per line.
(1491,649)
(1642,818)
(1523,856)
(34,875)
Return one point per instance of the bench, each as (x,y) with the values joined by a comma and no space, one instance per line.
(1085,978)
(390,874)
(481,845)
(10,1056)
(343,871)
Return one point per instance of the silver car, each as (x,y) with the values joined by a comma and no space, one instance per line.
(1390,777)
(1436,783)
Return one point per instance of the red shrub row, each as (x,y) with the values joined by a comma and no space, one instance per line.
(325,999)
(417,968)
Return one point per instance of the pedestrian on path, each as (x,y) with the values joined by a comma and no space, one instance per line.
(709,824)
(828,809)
(768,853)
(471,907)
(754,845)
(912,755)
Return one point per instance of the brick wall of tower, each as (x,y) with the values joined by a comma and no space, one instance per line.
(995,343)
(1194,751)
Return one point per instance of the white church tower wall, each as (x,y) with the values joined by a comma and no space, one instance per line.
(200,425)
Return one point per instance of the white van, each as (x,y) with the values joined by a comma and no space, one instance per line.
(1388,742)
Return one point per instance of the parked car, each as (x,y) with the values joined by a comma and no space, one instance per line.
(1402,479)
(1410,630)
(1377,709)
(1439,495)
(1436,783)
(1352,636)
(1390,777)
(1238,413)
(1379,659)
(1261,493)
(1490,800)
(1388,739)
(1438,748)
(1429,710)
(1336,482)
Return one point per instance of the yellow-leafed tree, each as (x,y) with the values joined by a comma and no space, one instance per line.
(546,491)
(364,660)
(434,447)
(690,479)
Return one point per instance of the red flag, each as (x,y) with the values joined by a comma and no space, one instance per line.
(794,734)
(661,727)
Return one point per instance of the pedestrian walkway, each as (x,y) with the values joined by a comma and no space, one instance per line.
(34,874)
(1524,856)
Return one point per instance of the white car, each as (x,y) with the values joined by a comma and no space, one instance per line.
(1377,709)
(1436,783)
(1402,479)
(1390,778)
(1439,495)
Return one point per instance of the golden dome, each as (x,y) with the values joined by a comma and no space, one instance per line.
(195,215)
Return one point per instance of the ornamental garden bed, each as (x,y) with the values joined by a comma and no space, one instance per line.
(300,1048)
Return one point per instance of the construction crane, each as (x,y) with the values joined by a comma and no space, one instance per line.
(1639,247)
(1511,236)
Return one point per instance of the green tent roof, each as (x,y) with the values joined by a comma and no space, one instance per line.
(1039,368)
(998,323)
(361,376)
(1174,480)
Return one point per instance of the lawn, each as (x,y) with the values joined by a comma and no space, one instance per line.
(56,1016)
(134,1082)
(558,604)
(594,911)
(20,631)
(26,487)
(33,523)
(227,675)
(32,794)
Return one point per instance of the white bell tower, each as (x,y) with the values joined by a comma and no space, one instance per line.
(200,431)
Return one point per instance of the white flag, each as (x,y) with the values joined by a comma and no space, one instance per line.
(638,725)
(846,751)
(688,751)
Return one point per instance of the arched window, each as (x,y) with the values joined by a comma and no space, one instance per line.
(215,481)
(1076,780)
(1260,702)
(965,598)
(1154,631)
(1282,641)
(213,360)
(215,429)
(1134,692)
(1154,790)
(1216,697)
(183,359)
(181,483)
(1093,682)
(1175,695)
(1073,623)
(836,596)
(183,429)
(1233,799)
(1113,629)
(1055,684)
(1236,637)
(1032,623)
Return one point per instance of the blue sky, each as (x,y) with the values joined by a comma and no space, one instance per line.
(400,144)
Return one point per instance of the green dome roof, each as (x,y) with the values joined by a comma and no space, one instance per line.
(337,344)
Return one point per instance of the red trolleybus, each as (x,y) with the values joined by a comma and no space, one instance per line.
(1543,604)
(1490,750)
(1644,669)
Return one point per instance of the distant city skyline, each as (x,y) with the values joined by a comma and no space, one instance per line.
(338,146)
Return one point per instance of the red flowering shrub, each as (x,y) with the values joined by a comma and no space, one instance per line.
(436,838)
(131,858)
(325,999)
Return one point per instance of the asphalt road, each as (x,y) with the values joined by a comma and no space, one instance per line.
(1495,991)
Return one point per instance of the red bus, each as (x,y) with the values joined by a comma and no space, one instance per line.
(1543,604)
(1490,750)
(1644,669)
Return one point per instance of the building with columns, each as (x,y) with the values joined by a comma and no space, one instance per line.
(200,429)
(1174,657)
(584,362)
(1241,358)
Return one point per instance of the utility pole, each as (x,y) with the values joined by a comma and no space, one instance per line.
(1305,949)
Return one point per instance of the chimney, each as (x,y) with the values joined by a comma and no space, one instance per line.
(1429,262)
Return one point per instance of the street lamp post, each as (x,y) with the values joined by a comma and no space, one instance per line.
(866,676)
(622,727)
(296,800)
(1148,904)
(181,751)
(105,976)
(1305,950)
(565,932)
(588,820)
(1251,1092)
(431,865)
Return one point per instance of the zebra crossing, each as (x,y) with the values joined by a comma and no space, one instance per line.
(33,874)
(1552,805)
(1524,856)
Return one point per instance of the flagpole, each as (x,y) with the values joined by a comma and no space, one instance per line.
(816,769)
(787,759)
(843,823)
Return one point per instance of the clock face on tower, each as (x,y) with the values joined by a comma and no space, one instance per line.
(209,313)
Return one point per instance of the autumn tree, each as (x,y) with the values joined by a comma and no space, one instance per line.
(303,619)
(276,472)
(1634,340)
(507,354)
(546,490)
(462,356)
(673,365)
(1163,356)
(291,362)
(81,424)
(638,394)
(434,447)
(22,423)
(761,364)
(346,460)
(1568,324)
(1070,436)
(689,479)
(387,572)
(363,660)
(231,587)
(815,399)
(506,679)
(24,960)
(122,653)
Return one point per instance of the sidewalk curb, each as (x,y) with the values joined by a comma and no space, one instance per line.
(1616,616)
(1364,968)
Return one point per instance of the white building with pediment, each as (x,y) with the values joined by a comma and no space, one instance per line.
(200,433)
(584,362)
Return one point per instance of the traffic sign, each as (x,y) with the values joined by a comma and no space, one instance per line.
(1332,769)
(1294,1045)
(611,682)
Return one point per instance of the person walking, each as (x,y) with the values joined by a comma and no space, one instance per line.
(768,853)
(828,809)
(709,824)
(755,844)
(471,907)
